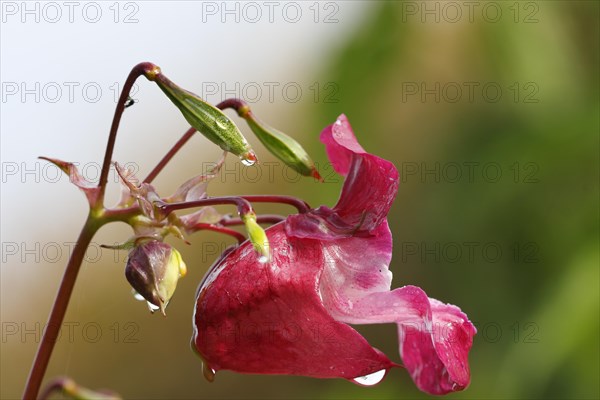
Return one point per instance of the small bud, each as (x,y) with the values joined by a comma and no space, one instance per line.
(153,269)
(281,145)
(207,119)
(257,237)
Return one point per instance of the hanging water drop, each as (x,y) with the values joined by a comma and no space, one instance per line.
(138,296)
(152,307)
(248,158)
(208,372)
(371,379)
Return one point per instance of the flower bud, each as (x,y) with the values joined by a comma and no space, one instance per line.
(207,119)
(257,237)
(281,145)
(153,269)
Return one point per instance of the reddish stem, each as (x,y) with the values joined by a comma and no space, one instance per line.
(59,309)
(244,207)
(242,202)
(221,229)
(239,105)
(165,160)
(144,68)
(261,219)
(300,204)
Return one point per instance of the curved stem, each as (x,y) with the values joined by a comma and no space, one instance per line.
(261,219)
(144,68)
(59,309)
(300,205)
(216,228)
(165,160)
(239,105)
(244,207)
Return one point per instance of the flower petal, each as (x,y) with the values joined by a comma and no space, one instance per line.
(437,356)
(268,318)
(368,193)
(435,338)
(341,144)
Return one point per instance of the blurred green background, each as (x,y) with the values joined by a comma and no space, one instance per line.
(493,124)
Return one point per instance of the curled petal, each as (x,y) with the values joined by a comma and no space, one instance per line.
(435,338)
(436,356)
(368,193)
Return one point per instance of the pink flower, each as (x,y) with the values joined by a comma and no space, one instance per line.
(329,268)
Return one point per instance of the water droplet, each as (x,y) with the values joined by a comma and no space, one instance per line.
(222,122)
(138,296)
(208,372)
(152,307)
(371,379)
(248,159)
(263,259)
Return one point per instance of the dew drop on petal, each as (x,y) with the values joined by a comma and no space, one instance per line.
(371,379)
(208,372)
(263,259)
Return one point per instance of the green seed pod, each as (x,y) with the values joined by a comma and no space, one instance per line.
(281,145)
(207,119)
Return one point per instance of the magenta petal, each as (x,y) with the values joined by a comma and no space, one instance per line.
(269,319)
(330,267)
(435,337)
(368,193)
(371,182)
(437,356)
(341,144)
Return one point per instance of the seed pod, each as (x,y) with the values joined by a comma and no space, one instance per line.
(207,119)
(281,145)
(153,269)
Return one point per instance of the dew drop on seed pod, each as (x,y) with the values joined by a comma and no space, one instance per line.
(222,123)
(152,307)
(371,379)
(248,159)
(138,296)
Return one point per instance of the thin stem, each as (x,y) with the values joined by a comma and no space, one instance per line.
(216,228)
(239,105)
(59,309)
(144,68)
(244,207)
(242,202)
(300,204)
(165,160)
(261,219)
